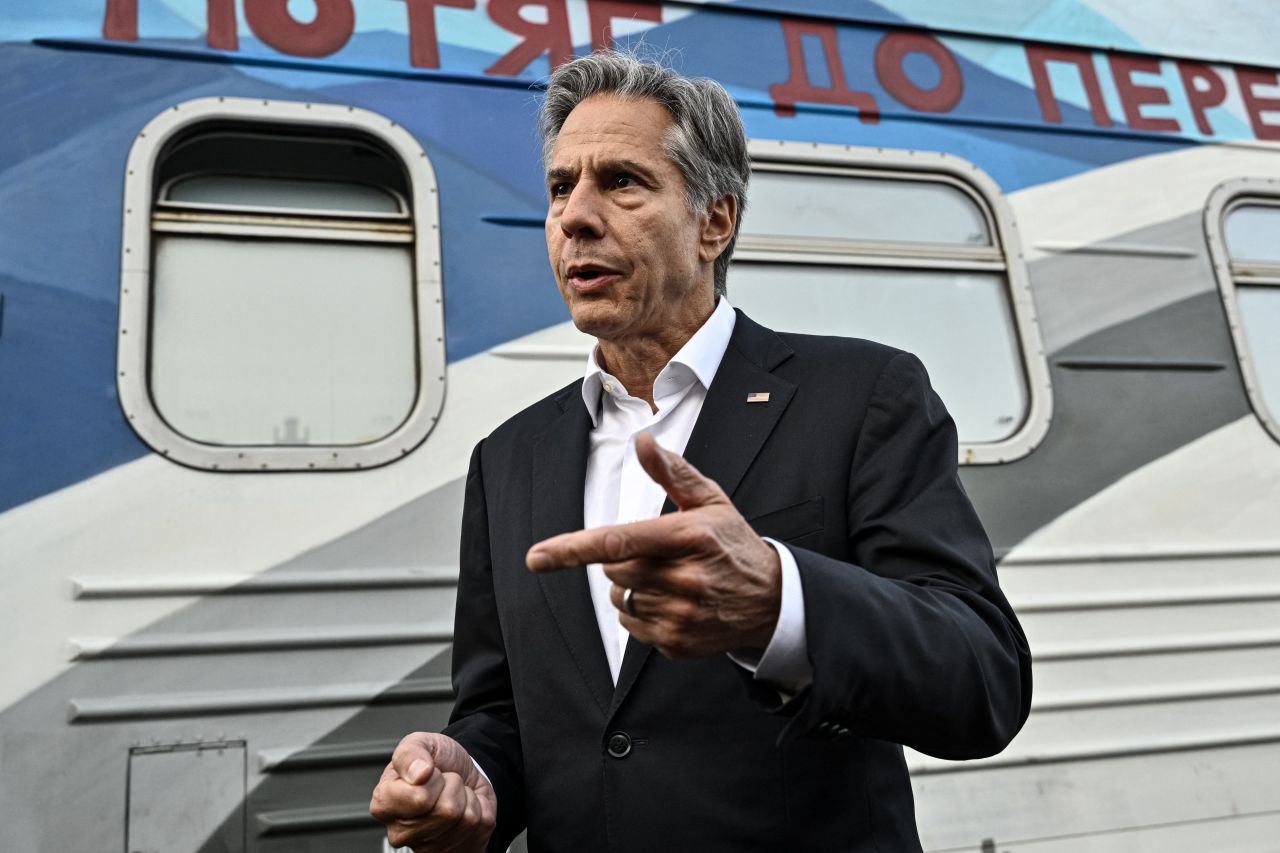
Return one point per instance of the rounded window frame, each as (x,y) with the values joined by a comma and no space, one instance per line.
(134,333)
(779,155)
(1224,198)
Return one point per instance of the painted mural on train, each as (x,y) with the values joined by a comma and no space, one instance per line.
(221,613)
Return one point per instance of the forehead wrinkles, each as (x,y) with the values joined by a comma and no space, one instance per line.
(616,128)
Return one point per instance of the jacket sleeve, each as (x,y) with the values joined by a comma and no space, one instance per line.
(484,719)
(913,641)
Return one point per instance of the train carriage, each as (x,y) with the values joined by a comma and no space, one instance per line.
(269,269)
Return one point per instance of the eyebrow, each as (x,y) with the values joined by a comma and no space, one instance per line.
(560,173)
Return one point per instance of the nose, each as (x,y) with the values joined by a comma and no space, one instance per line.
(583,213)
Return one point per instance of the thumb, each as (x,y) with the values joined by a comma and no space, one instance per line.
(414,758)
(684,484)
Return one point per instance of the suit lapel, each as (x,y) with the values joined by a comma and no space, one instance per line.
(559,477)
(728,435)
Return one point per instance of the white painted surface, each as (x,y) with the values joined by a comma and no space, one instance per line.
(1221,491)
(1078,799)
(152,516)
(1109,203)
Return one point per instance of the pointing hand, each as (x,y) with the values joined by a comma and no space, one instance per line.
(702,581)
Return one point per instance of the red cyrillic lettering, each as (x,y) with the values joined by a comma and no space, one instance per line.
(603,12)
(270,21)
(894,47)
(424,47)
(1194,73)
(552,37)
(1255,104)
(120,20)
(798,88)
(1133,96)
(221,19)
(1039,56)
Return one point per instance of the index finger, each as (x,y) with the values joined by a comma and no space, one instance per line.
(664,537)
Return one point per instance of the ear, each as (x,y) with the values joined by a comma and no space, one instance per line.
(717,228)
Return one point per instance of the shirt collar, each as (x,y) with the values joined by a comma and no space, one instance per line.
(701,354)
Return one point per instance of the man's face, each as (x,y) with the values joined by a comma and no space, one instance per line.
(623,244)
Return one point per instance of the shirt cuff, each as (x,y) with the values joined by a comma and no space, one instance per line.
(785,662)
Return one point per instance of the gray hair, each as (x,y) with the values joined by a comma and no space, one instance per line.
(706,141)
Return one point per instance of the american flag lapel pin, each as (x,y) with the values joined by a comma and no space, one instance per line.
(758,397)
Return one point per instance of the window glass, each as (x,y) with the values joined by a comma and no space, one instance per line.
(282,193)
(958,323)
(1253,233)
(853,207)
(1260,315)
(261,341)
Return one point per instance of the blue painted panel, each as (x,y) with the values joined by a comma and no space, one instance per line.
(72,115)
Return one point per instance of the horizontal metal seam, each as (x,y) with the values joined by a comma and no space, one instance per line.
(1096,753)
(325,755)
(1065,558)
(1053,603)
(327,818)
(213,642)
(214,703)
(144,586)
(1085,650)
(1150,695)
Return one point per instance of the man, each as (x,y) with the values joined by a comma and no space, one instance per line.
(790,668)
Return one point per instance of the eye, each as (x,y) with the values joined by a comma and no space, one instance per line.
(622,182)
(561,189)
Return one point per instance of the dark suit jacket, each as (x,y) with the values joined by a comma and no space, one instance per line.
(852,462)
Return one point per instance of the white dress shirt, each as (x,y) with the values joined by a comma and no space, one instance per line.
(619,491)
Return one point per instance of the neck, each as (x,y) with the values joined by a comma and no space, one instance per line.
(637,361)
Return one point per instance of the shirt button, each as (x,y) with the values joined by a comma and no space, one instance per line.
(619,745)
(608,386)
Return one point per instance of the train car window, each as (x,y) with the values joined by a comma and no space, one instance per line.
(236,192)
(914,250)
(1252,232)
(835,206)
(281,285)
(1243,224)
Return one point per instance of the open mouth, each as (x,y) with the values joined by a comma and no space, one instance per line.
(588,277)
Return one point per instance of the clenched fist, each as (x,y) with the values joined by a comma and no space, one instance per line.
(432,797)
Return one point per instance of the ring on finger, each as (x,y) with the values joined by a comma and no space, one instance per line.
(629,602)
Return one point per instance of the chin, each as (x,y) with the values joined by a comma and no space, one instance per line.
(597,319)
